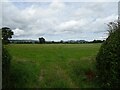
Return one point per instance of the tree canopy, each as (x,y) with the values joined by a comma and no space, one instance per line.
(6,35)
(41,40)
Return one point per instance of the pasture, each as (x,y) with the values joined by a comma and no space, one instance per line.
(53,65)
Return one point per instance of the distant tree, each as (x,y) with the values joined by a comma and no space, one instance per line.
(97,41)
(6,35)
(41,40)
(53,42)
(61,41)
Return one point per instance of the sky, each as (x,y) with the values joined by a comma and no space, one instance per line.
(59,20)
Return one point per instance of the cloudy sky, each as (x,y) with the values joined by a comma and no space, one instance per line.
(59,19)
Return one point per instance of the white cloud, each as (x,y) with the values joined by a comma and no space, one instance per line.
(56,4)
(71,26)
(61,0)
(100,24)
(18,32)
(58,19)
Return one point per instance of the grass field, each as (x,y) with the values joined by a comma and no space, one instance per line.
(53,65)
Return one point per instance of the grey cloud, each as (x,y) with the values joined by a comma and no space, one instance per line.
(58,19)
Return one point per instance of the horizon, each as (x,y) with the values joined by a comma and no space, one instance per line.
(58,40)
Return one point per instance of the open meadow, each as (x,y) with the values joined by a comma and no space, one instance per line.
(53,65)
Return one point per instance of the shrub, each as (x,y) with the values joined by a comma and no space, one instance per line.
(6,35)
(108,59)
(5,68)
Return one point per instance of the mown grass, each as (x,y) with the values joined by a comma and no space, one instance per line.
(53,65)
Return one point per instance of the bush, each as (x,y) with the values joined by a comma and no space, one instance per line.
(6,35)
(108,59)
(5,67)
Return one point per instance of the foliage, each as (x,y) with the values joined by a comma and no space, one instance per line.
(97,41)
(41,40)
(108,59)
(5,67)
(6,35)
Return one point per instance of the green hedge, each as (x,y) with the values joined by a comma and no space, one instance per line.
(5,67)
(108,61)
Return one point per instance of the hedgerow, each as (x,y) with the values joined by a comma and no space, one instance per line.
(108,59)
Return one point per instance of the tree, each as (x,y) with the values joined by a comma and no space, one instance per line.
(108,59)
(6,35)
(41,40)
(61,41)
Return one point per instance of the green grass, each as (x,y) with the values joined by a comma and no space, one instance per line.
(52,65)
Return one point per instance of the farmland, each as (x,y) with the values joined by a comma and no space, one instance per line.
(53,65)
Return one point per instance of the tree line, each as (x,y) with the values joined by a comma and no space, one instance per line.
(7,35)
(43,41)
